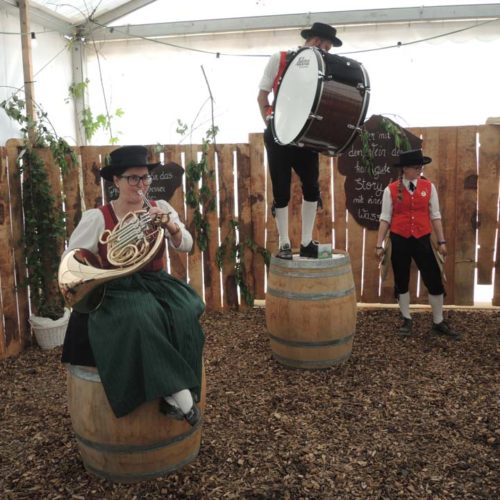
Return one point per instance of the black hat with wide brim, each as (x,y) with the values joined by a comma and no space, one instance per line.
(322,31)
(126,157)
(412,158)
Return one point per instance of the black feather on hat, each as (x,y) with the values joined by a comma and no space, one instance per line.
(322,31)
(126,157)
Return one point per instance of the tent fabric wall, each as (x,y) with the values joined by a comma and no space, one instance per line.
(51,81)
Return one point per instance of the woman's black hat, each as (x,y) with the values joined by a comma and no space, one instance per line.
(126,157)
(323,31)
(412,158)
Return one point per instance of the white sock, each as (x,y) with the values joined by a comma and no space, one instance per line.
(436,302)
(282,225)
(171,401)
(309,209)
(404,304)
(184,400)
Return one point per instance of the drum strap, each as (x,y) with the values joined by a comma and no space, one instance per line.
(281,69)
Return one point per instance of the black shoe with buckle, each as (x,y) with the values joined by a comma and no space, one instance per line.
(170,410)
(406,328)
(444,329)
(285,252)
(310,251)
(193,416)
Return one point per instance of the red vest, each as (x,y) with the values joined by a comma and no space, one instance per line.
(410,217)
(110,221)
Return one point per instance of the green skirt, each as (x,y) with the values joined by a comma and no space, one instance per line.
(147,340)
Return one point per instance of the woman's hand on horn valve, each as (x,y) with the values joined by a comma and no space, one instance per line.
(164,220)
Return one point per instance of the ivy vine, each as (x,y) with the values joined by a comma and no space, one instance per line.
(44,222)
(401,142)
(236,254)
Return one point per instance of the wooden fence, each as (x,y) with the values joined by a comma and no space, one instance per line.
(467,178)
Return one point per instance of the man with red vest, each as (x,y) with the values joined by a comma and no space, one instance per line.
(281,159)
(410,210)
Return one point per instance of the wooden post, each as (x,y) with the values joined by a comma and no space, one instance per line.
(27,67)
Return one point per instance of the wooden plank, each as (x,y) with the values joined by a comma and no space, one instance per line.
(272,240)
(355,250)
(91,165)
(226,211)
(11,341)
(371,271)
(465,215)
(496,284)
(258,209)
(324,218)
(340,210)
(295,213)
(245,219)
(178,261)
(12,147)
(72,195)
(489,168)
(211,272)
(195,258)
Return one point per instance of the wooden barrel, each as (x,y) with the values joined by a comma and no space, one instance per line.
(141,445)
(311,310)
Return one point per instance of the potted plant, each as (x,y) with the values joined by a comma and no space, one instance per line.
(44,222)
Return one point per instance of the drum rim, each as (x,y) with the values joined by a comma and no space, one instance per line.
(314,107)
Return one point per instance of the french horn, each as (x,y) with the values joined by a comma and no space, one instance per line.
(131,245)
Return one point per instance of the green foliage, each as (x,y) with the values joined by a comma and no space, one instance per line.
(401,142)
(44,223)
(236,255)
(198,194)
(90,123)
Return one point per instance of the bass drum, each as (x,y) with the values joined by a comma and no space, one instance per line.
(321,102)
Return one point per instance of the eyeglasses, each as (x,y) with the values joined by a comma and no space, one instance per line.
(133,180)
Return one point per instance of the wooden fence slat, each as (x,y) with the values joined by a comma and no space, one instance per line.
(211,272)
(496,285)
(465,213)
(245,216)
(11,341)
(371,272)
(178,261)
(12,147)
(489,168)
(72,195)
(195,259)
(258,209)
(324,218)
(91,165)
(226,203)
(295,213)
(355,250)
(339,215)
(272,240)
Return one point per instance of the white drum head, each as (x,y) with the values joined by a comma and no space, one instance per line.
(296,96)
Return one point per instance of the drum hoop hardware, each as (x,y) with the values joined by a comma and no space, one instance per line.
(315,117)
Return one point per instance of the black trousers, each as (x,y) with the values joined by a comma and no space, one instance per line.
(420,250)
(281,160)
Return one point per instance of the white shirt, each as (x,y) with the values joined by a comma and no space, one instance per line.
(91,226)
(386,213)
(271,70)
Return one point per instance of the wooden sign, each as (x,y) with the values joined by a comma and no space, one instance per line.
(166,179)
(365,181)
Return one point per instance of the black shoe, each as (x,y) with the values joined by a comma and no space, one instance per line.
(193,416)
(310,251)
(170,410)
(444,329)
(285,252)
(406,328)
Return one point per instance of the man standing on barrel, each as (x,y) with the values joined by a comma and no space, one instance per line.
(281,159)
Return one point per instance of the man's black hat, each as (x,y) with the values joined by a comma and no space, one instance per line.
(126,157)
(323,31)
(412,158)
